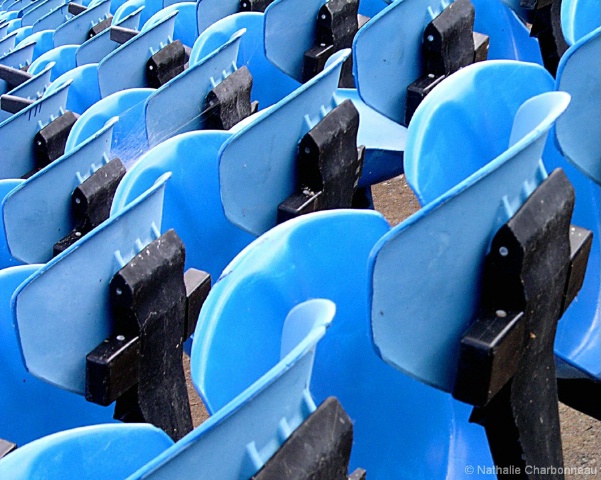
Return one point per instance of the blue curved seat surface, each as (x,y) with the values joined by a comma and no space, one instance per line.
(324,255)
(95,452)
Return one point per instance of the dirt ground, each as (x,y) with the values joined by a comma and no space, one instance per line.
(581,434)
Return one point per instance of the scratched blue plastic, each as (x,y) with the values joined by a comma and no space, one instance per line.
(96,452)
(163,122)
(266,150)
(578,130)
(57,329)
(33,408)
(17,133)
(37,213)
(192,203)
(579,18)
(247,431)
(324,255)
(447,240)
(146,116)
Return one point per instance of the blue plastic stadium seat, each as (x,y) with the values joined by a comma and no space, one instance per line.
(324,255)
(232,445)
(96,452)
(431,172)
(578,131)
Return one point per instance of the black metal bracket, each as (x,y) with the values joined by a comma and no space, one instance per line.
(91,202)
(14,104)
(13,76)
(6,447)
(100,27)
(254,5)
(507,364)
(449,44)
(140,365)
(337,24)
(76,8)
(229,102)
(329,165)
(166,64)
(49,143)
(122,35)
(319,449)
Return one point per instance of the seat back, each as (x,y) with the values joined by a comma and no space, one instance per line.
(577,131)
(417,322)
(58,329)
(17,133)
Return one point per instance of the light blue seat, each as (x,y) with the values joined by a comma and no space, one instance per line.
(85,321)
(42,387)
(386,62)
(17,132)
(96,452)
(91,82)
(232,445)
(186,28)
(324,255)
(33,408)
(430,173)
(239,438)
(270,83)
(578,131)
(147,116)
(498,140)
(37,213)
(219,200)
(578,19)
